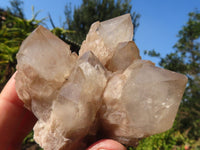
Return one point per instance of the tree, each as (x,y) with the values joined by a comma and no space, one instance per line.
(16,8)
(186,60)
(93,10)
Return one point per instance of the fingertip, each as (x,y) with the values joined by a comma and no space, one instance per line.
(9,92)
(106,144)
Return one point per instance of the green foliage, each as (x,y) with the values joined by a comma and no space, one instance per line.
(93,10)
(168,140)
(29,142)
(152,53)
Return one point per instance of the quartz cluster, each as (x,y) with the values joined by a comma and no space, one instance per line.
(105,92)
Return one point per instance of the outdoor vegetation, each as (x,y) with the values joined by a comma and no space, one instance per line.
(185,59)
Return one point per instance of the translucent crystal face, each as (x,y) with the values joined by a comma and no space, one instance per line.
(103,37)
(142,101)
(41,50)
(121,28)
(106,88)
(124,54)
(40,73)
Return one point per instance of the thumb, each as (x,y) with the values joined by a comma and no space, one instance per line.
(106,144)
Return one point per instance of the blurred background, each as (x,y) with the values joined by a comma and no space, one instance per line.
(166,32)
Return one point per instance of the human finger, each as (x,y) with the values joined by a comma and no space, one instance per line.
(107,144)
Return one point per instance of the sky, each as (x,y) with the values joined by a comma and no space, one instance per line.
(160,20)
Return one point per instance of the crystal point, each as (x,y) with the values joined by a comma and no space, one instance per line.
(103,37)
(141,101)
(75,106)
(38,62)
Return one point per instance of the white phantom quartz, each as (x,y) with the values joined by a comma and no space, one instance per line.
(75,106)
(141,101)
(103,37)
(105,92)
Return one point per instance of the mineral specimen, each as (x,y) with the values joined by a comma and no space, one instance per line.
(105,92)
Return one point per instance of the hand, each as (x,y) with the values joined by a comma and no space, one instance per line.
(16,122)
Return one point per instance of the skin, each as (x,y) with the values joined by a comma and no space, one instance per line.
(16,122)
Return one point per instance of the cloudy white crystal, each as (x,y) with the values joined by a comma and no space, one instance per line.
(124,54)
(103,37)
(40,73)
(141,101)
(74,109)
(105,92)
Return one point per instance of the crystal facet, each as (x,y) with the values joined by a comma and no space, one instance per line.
(105,92)
(123,56)
(103,37)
